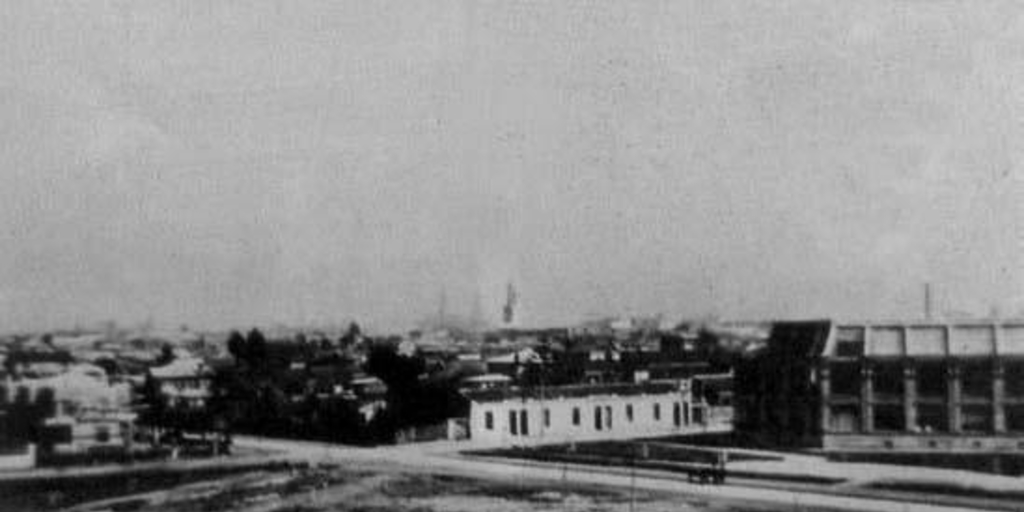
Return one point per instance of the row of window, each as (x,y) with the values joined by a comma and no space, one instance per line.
(931,378)
(929,418)
(518,420)
(63,434)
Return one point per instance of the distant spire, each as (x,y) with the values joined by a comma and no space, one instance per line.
(511,298)
(927,301)
(442,308)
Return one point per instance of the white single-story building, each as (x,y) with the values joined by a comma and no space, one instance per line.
(581,413)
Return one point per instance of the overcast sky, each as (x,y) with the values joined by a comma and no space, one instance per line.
(228,163)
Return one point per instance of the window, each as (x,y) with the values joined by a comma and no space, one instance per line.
(698,415)
(1014,379)
(845,379)
(887,379)
(976,418)
(513,424)
(976,379)
(849,348)
(677,414)
(686,413)
(102,435)
(547,417)
(932,418)
(657,412)
(844,419)
(597,418)
(576,416)
(524,423)
(489,420)
(931,379)
(629,413)
(1015,418)
(889,417)
(849,342)
(608,417)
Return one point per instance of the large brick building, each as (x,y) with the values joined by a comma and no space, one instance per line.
(922,390)
(924,387)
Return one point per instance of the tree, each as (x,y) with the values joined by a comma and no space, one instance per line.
(237,346)
(352,335)
(166,355)
(256,348)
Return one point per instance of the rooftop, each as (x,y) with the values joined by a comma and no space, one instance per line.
(927,339)
(575,391)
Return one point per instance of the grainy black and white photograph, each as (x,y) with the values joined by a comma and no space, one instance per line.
(511,256)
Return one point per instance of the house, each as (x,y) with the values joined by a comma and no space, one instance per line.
(183,384)
(562,414)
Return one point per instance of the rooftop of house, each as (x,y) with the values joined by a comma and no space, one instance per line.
(181,368)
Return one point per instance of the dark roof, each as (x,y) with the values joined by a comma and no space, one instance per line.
(554,392)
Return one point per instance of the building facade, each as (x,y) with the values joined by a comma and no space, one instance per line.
(582,413)
(943,393)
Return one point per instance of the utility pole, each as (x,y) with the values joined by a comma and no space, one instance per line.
(632,481)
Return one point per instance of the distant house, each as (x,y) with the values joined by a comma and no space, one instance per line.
(183,384)
(578,413)
(512,363)
(370,394)
(179,408)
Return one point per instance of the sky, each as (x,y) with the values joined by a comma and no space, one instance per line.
(229,163)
